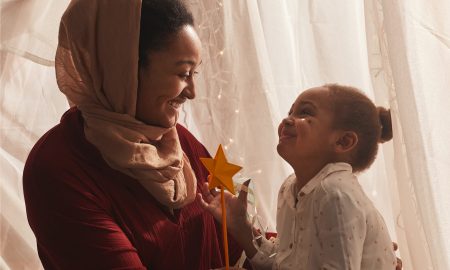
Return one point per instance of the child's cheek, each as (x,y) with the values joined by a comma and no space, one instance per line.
(300,126)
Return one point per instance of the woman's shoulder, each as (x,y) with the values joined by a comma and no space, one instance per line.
(58,146)
(49,146)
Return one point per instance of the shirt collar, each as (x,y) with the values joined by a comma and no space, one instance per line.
(322,174)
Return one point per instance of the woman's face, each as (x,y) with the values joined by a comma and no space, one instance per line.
(168,80)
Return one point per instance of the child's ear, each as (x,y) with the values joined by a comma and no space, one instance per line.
(346,141)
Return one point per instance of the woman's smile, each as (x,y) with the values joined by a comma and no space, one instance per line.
(177,103)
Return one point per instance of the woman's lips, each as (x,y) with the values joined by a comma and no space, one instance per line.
(177,103)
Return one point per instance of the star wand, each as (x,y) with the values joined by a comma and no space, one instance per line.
(220,175)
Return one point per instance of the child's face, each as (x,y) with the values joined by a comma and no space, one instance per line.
(306,135)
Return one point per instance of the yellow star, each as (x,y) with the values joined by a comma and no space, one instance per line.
(220,171)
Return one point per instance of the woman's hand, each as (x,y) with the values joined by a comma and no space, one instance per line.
(236,206)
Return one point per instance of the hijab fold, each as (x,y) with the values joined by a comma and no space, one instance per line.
(97,69)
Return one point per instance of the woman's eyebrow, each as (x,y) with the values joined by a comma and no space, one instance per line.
(188,62)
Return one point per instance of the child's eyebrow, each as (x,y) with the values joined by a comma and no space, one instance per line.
(308,103)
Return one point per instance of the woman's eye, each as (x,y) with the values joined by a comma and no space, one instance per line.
(187,75)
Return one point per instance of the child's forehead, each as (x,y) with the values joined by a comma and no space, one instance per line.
(317,96)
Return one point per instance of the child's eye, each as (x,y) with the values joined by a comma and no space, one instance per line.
(306,112)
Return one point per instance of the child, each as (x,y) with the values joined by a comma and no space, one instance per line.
(324,218)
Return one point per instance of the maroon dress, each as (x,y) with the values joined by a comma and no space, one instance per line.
(86,215)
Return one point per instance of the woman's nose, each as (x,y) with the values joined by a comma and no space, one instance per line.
(189,91)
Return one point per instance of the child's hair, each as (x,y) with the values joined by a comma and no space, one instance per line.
(354,111)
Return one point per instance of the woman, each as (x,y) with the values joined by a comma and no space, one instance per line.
(113,185)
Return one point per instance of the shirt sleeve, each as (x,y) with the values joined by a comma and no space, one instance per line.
(265,257)
(341,230)
(72,225)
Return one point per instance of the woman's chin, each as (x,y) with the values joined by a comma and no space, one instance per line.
(166,122)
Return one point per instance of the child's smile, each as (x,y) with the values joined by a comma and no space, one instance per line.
(287,131)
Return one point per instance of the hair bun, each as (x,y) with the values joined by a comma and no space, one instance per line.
(386,124)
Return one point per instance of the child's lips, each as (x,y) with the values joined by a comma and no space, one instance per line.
(286,135)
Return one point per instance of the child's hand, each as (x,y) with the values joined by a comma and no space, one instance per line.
(236,206)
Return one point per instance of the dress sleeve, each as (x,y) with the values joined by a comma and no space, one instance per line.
(72,225)
(341,231)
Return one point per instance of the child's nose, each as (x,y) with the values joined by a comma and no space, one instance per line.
(288,121)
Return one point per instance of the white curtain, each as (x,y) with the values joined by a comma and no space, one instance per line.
(258,56)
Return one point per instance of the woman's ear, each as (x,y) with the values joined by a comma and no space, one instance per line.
(346,141)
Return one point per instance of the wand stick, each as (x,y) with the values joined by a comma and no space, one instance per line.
(224,228)
(220,175)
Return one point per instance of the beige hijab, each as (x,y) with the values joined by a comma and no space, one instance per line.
(97,69)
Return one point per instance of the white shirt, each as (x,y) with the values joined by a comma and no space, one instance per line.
(334,225)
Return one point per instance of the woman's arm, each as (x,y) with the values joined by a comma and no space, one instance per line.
(72,225)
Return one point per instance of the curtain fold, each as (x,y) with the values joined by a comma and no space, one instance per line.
(417,46)
(258,56)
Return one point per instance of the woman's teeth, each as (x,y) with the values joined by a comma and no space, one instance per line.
(174,104)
